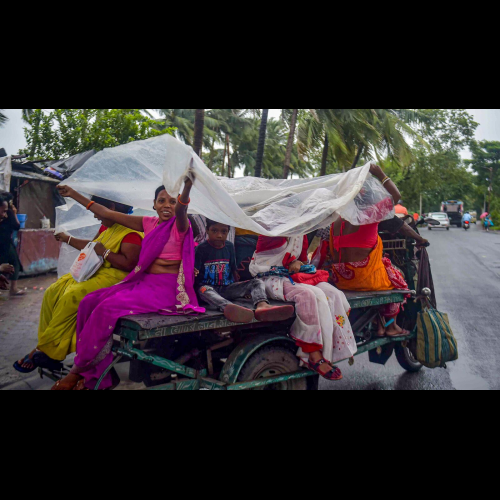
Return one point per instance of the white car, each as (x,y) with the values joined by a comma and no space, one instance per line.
(442,218)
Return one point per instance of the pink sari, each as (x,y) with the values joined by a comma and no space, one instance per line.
(139,293)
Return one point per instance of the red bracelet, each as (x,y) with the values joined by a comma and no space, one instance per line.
(184,204)
(90,204)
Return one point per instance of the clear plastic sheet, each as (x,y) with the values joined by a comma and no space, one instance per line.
(130,174)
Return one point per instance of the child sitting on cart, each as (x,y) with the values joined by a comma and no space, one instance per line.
(217,281)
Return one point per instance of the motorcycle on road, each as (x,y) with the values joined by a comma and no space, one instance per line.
(466,225)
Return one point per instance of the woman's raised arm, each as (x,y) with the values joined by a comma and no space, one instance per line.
(181,207)
(388,184)
(130,221)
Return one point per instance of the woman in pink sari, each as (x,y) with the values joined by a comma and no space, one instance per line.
(161,283)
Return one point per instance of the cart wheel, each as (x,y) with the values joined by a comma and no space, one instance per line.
(275,360)
(406,359)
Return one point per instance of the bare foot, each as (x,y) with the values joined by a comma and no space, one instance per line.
(381,329)
(80,386)
(68,383)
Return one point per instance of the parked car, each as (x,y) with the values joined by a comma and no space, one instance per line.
(442,218)
(474,217)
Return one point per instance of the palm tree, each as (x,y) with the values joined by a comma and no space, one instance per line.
(291,139)
(199,125)
(351,134)
(26,113)
(262,143)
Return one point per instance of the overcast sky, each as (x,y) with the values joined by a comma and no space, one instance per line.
(12,135)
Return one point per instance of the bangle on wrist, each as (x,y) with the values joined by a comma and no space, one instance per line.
(69,241)
(184,204)
(387,179)
(106,254)
(90,204)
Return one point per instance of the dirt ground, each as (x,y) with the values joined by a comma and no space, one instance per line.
(18,336)
(19,329)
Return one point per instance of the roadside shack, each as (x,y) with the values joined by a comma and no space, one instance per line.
(36,197)
(33,185)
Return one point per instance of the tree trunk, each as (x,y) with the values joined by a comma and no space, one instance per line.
(36,137)
(325,156)
(358,156)
(228,156)
(199,125)
(289,146)
(224,159)
(262,143)
(212,155)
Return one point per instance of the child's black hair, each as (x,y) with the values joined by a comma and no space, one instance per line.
(211,223)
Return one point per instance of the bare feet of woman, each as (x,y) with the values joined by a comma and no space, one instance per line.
(68,383)
(267,313)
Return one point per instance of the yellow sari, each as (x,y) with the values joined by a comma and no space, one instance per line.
(57,327)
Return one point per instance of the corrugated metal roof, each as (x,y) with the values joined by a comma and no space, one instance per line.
(33,176)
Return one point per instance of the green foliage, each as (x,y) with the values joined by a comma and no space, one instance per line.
(486,165)
(66,132)
(437,170)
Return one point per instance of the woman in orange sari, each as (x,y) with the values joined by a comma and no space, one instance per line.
(355,259)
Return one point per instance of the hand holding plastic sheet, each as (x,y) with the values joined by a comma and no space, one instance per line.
(130,174)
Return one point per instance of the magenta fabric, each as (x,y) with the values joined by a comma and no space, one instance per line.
(139,293)
(173,248)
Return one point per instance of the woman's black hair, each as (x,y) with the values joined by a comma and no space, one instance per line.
(119,207)
(211,223)
(158,191)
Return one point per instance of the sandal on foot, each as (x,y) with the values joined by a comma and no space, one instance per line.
(334,374)
(278,313)
(18,366)
(238,314)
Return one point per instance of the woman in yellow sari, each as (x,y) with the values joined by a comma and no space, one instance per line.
(120,247)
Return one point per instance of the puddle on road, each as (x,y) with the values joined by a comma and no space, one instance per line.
(463,379)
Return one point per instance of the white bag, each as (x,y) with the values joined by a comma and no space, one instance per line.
(86,264)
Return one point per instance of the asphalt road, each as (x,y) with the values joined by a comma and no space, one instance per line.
(466,271)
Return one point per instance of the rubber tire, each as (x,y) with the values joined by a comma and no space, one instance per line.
(447,229)
(282,360)
(430,228)
(405,361)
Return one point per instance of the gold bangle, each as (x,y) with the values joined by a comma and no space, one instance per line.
(384,179)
